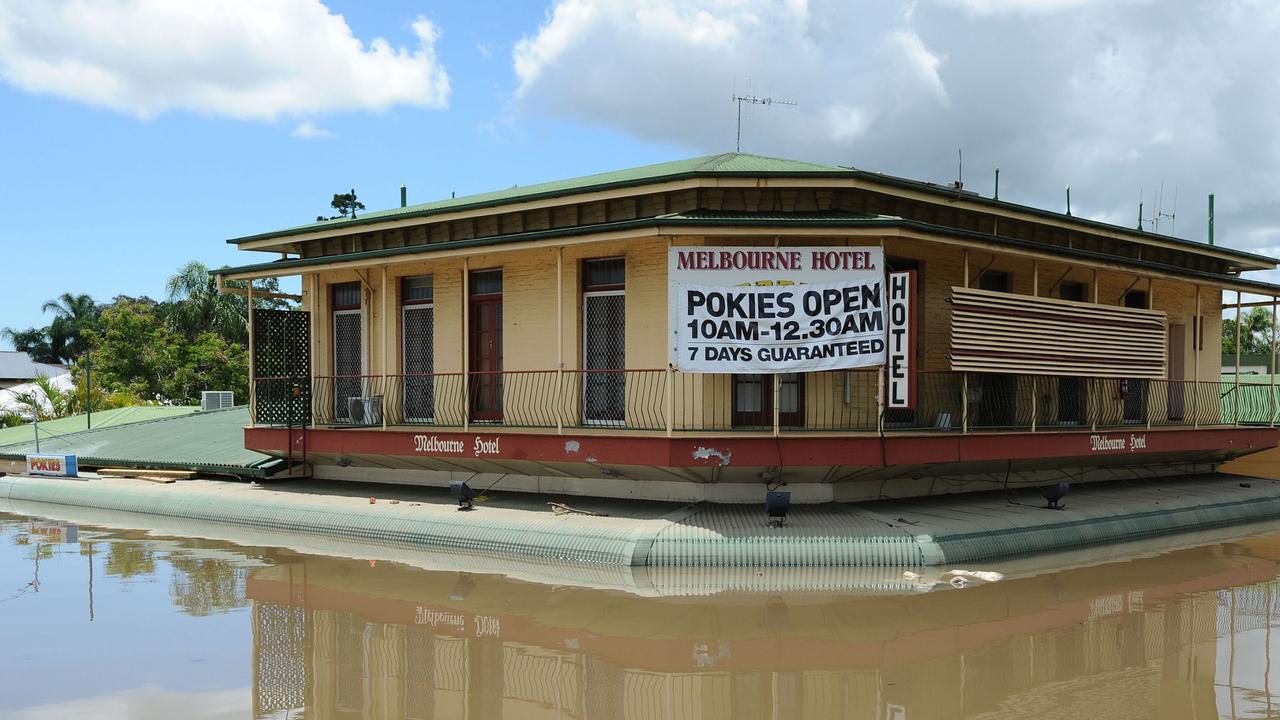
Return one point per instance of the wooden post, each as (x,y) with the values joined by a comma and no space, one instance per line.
(386,349)
(1195,363)
(1095,286)
(315,339)
(966,268)
(1271,374)
(559,403)
(1236,392)
(253,380)
(466,348)
(1035,278)
(669,376)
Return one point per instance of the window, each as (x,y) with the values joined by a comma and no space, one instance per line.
(995,280)
(604,350)
(416,289)
(417,327)
(346,296)
(1135,299)
(1076,291)
(486,282)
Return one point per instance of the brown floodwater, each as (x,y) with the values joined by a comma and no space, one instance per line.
(97,622)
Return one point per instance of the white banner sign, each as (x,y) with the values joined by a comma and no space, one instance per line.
(770,310)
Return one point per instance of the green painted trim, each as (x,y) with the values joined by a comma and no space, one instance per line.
(693,223)
(943,191)
(708,167)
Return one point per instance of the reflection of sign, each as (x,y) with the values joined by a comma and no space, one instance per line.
(487,626)
(54,532)
(895,712)
(765,310)
(902,341)
(59,465)
(1111,443)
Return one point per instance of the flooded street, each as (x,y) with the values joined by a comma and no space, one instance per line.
(104,623)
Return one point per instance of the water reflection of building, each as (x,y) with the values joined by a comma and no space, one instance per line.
(342,640)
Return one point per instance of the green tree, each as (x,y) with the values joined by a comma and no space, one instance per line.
(196,306)
(1256,330)
(74,316)
(35,342)
(204,586)
(62,340)
(138,353)
(346,204)
(129,559)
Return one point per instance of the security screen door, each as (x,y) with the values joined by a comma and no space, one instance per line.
(604,332)
(348,354)
(417,323)
(346,361)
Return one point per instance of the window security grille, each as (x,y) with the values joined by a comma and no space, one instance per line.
(604,348)
(419,385)
(347,363)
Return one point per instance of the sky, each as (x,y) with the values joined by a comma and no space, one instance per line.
(137,135)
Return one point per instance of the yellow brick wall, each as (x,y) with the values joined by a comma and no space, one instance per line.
(530,327)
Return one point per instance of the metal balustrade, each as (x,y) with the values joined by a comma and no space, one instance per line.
(658,400)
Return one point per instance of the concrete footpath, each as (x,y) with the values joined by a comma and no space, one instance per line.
(931,532)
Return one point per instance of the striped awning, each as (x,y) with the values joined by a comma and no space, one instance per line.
(997,332)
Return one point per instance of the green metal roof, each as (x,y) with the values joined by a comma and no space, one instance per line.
(101,419)
(724,164)
(209,441)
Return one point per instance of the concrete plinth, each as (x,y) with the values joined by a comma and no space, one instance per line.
(937,531)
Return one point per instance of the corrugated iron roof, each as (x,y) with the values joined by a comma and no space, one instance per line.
(16,365)
(721,164)
(101,419)
(211,441)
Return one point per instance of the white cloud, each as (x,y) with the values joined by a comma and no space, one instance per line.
(308,130)
(234,58)
(1108,97)
(147,704)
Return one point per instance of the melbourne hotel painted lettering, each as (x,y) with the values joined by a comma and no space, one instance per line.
(434,445)
(1107,443)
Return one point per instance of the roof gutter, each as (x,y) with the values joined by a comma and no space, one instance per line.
(1226,281)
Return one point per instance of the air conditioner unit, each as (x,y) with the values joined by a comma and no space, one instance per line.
(365,410)
(217,399)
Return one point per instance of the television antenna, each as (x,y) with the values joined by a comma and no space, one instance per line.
(753,100)
(1172,215)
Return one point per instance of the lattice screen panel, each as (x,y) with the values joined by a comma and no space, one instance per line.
(282,366)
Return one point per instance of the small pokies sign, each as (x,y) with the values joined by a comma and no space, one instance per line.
(56,465)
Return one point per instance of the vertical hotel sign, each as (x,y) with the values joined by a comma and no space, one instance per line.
(901,372)
(757,310)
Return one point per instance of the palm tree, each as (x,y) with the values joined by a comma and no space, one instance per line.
(199,307)
(35,342)
(65,338)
